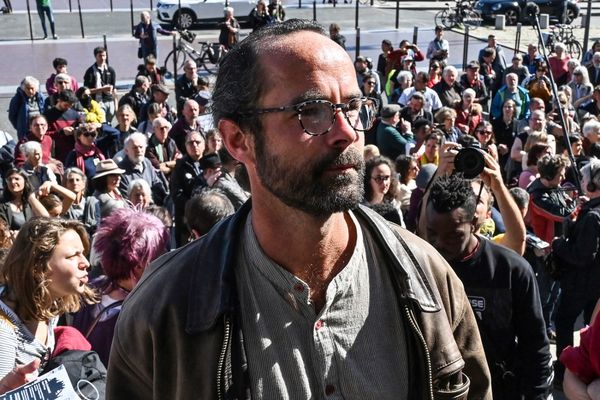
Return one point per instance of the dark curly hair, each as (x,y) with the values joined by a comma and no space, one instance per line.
(452,192)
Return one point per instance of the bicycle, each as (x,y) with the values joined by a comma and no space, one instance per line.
(208,57)
(462,14)
(367,2)
(562,33)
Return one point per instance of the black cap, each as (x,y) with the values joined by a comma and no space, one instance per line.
(211,160)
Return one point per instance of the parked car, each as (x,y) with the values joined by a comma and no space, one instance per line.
(514,10)
(201,11)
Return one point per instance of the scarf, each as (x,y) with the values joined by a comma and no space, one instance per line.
(83,152)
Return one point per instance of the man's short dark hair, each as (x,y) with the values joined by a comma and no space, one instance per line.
(452,192)
(423,76)
(437,135)
(520,196)
(206,209)
(68,96)
(550,165)
(140,80)
(240,82)
(489,51)
(98,50)
(57,62)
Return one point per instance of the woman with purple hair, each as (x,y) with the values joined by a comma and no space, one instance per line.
(126,241)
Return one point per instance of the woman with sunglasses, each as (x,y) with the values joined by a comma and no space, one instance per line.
(86,153)
(381,186)
(368,89)
(43,276)
(484,134)
(435,74)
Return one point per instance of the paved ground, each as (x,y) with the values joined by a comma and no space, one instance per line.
(20,56)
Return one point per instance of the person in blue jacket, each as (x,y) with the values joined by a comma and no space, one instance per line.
(146,31)
(27,102)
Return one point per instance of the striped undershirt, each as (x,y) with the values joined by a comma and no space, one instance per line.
(17,345)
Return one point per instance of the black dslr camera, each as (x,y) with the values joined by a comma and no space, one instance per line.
(469,160)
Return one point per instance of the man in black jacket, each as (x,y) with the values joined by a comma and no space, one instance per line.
(578,252)
(102,79)
(187,176)
(502,290)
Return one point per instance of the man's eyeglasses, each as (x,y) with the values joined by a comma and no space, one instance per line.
(484,132)
(381,178)
(370,82)
(317,117)
(194,142)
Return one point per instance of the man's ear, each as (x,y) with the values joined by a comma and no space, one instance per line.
(240,144)
(196,234)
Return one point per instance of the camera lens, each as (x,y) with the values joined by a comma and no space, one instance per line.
(470,162)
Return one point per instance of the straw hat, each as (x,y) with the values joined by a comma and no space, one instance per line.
(107,167)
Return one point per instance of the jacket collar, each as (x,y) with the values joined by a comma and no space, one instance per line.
(212,290)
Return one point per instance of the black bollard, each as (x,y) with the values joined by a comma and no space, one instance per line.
(174,58)
(415,34)
(132,23)
(105,47)
(356,16)
(466,47)
(314,10)
(80,18)
(151,5)
(357,51)
(586,31)
(518,38)
(111,5)
(397,14)
(70,7)
(29,18)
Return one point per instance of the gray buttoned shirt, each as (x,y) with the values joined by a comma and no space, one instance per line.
(354,348)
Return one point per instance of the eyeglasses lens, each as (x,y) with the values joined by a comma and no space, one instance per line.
(318,117)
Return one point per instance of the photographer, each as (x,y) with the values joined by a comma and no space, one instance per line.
(500,286)
(578,253)
(491,175)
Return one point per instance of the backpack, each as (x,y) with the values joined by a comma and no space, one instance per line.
(86,372)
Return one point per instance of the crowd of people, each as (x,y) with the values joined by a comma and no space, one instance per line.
(396,244)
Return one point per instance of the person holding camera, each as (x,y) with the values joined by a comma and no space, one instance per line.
(500,285)
(578,255)
(490,173)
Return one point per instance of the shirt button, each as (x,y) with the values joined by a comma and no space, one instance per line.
(318,324)
(298,287)
(329,390)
